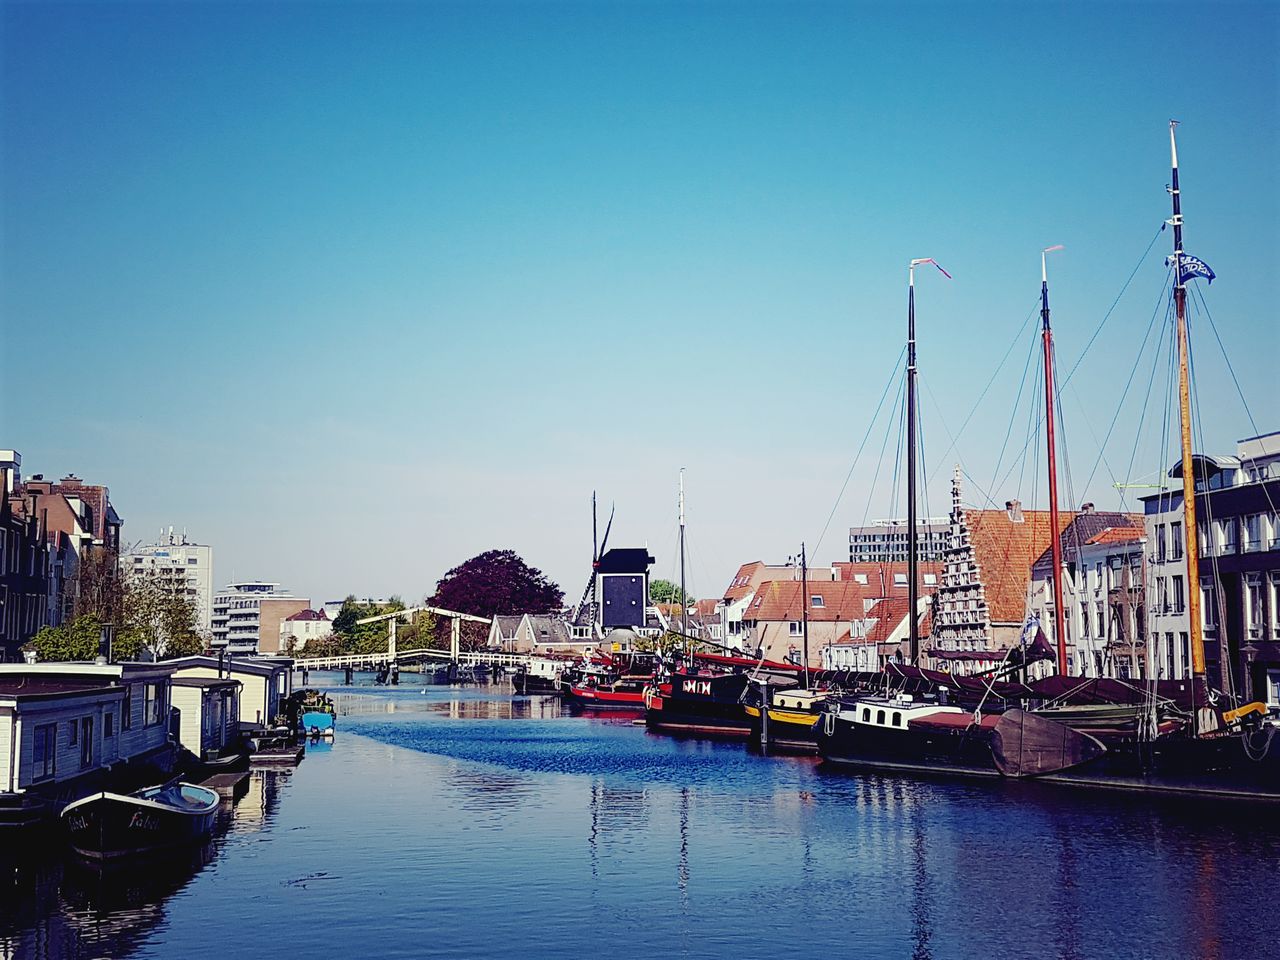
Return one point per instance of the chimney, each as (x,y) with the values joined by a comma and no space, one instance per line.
(1086,508)
(1014,509)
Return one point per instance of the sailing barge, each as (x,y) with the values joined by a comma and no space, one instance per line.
(1143,735)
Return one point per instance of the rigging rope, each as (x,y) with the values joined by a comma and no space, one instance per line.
(865,437)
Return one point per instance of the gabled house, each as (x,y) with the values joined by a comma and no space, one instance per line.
(984,599)
(1101,559)
(773,620)
(880,637)
(502,632)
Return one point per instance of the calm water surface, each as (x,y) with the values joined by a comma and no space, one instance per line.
(463,822)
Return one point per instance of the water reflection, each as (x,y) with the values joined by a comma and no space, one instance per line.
(596,834)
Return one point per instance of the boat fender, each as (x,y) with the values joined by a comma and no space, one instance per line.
(829,723)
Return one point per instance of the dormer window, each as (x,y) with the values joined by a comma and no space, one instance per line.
(816,600)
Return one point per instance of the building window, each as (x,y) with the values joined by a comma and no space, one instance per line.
(1208,606)
(1253,540)
(108,725)
(1253,604)
(1179,596)
(1175,540)
(899,579)
(930,579)
(44,751)
(816,600)
(126,708)
(86,742)
(860,578)
(795,628)
(1161,544)
(153,710)
(73,733)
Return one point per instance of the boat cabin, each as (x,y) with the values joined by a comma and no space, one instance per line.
(266,682)
(808,701)
(208,714)
(65,727)
(895,713)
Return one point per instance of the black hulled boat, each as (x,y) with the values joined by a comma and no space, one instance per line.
(106,826)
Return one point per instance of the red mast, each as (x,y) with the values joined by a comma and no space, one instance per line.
(1059,630)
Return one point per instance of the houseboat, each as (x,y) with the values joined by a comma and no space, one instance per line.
(69,729)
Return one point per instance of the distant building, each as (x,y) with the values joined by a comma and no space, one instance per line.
(180,567)
(1238,521)
(247,616)
(1089,545)
(299,629)
(983,602)
(877,580)
(78,524)
(773,621)
(886,541)
(881,636)
(24,567)
(502,632)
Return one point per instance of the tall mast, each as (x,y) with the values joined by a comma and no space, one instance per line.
(595,554)
(684,601)
(1055,532)
(1190,531)
(913,559)
(804,606)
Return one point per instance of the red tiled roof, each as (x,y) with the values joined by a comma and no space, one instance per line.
(307,615)
(1005,552)
(781,600)
(889,615)
(877,573)
(740,586)
(707,607)
(1118,535)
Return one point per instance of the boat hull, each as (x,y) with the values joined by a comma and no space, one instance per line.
(526,684)
(317,721)
(604,698)
(701,706)
(1173,764)
(790,730)
(109,826)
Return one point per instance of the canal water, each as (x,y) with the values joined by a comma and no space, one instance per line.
(465,822)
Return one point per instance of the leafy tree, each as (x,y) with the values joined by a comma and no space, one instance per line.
(664,591)
(494,582)
(345,622)
(77,639)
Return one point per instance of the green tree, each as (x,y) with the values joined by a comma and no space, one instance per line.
(78,639)
(664,591)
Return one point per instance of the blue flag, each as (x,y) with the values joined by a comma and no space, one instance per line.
(1193,267)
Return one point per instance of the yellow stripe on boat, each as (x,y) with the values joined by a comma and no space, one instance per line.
(793,716)
(1231,716)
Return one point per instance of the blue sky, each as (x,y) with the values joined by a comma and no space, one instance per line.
(354,291)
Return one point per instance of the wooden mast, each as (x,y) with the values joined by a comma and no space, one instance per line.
(1055,532)
(804,606)
(684,601)
(913,630)
(913,558)
(1190,530)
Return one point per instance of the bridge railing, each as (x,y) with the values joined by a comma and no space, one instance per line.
(371,661)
